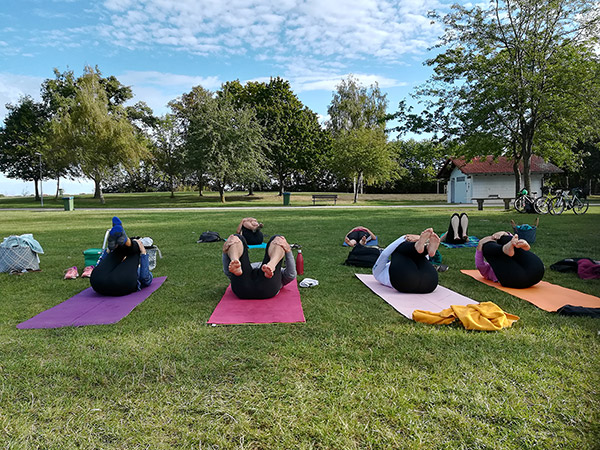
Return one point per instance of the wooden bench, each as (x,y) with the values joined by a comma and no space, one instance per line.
(480,201)
(316,197)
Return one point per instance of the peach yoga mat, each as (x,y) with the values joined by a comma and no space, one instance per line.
(441,298)
(544,295)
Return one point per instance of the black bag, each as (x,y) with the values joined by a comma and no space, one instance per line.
(363,256)
(210,236)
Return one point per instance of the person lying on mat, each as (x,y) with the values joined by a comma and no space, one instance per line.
(250,228)
(258,280)
(404,264)
(360,235)
(506,259)
(124,266)
(457,230)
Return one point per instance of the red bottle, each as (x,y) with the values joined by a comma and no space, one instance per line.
(299,263)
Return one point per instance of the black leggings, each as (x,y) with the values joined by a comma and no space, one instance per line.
(357,235)
(520,271)
(252,283)
(449,238)
(410,271)
(116,276)
(252,237)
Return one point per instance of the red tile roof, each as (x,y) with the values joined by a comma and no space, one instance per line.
(501,165)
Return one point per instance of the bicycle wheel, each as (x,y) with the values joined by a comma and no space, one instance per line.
(520,204)
(581,206)
(541,205)
(557,206)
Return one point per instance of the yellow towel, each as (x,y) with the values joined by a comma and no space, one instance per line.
(485,316)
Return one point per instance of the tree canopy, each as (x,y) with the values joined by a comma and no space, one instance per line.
(518,77)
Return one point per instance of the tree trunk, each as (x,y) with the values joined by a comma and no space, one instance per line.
(281,178)
(251,189)
(200,184)
(57,188)
(37,190)
(98,191)
(222,193)
(357,183)
(172,183)
(517,177)
(527,171)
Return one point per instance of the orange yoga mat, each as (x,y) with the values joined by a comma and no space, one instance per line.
(544,295)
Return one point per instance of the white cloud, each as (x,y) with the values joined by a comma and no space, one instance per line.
(342,29)
(13,86)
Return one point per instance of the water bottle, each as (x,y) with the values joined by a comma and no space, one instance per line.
(299,263)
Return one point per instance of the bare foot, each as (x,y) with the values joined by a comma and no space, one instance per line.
(509,247)
(423,238)
(434,243)
(363,240)
(235,267)
(267,270)
(523,244)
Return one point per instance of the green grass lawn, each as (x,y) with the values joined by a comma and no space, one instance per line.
(211,199)
(355,375)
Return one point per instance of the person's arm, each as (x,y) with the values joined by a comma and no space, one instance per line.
(483,266)
(226,261)
(380,269)
(144,275)
(288,273)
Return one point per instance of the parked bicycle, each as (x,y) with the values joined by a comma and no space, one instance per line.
(543,203)
(578,202)
(526,202)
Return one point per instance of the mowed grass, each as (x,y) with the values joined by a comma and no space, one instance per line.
(355,375)
(212,199)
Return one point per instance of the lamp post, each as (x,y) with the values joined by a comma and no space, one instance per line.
(41,181)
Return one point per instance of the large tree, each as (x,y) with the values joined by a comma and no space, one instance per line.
(23,140)
(357,116)
(290,129)
(363,154)
(96,132)
(518,77)
(222,141)
(167,151)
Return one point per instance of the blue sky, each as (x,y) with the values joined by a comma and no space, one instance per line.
(162,48)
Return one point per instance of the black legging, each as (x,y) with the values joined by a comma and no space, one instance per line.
(357,235)
(252,283)
(410,271)
(520,271)
(252,237)
(450,235)
(116,276)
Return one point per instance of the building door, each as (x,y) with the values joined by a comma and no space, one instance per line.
(461,190)
(452,191)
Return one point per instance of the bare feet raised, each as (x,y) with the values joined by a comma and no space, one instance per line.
(434,243)
(523,244)
(509,247)
(423,238)
(235,267)
(267,270)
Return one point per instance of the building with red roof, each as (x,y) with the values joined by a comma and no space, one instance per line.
(484,177)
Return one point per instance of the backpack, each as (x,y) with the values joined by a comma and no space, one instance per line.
(210,236)
(362,256)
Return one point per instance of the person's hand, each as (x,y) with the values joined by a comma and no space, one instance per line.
(498,234)
(283,243)
(232,239)
(142,248)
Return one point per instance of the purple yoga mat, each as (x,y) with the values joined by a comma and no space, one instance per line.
(436,301)
(90,308)
(285,307)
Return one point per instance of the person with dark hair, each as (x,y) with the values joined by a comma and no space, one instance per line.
(258,280)
(404,264)
(124,266)
(359,235)
(506,259)
(250,228)
(458,229)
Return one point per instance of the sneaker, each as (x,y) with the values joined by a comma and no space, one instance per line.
(71,273)
(87,272)
(441,268)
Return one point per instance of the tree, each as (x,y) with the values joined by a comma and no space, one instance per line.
(22,140)
(167,150)
(363,154)
(519,77)
(223,141)
(419,163)
(290,129)
(354,106)
(98,136)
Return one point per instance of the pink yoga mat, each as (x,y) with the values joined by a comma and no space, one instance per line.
(547,296)
(90,308)
(441,298)
(285,307)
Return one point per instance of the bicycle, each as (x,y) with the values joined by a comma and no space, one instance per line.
(526,203)
(577,202)
(543,203)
